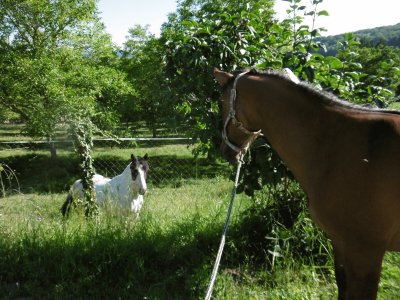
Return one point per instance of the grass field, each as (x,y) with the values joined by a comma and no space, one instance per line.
(166,253)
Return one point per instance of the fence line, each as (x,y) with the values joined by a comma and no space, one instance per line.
(37,168)
(105,140)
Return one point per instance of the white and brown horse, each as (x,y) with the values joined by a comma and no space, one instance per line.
(126,189)
(346,158)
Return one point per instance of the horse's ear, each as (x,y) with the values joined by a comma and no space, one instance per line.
(146,157)
(222,77)
(133,157)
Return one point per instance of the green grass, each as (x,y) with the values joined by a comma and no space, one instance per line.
(166,253)
(157,255)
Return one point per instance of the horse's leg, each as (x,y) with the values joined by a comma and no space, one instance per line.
(67,204)
(340,272)
(363,268)
(136,204)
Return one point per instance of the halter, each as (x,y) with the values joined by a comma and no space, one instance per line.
(232,116)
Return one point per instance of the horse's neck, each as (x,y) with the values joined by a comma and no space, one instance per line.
(290,122)
(123,182)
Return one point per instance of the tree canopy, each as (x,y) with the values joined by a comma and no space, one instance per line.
(56,62)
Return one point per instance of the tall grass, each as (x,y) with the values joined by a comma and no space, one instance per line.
(166,253)
(117,255)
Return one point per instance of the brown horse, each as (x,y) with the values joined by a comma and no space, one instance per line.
(346,158)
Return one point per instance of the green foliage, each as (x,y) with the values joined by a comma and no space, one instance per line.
(388,35)
(143,61)
(278,225)
(378,74)
(57,65)
(82,131)
(56,60)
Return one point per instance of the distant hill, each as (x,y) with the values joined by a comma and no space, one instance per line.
(390,35)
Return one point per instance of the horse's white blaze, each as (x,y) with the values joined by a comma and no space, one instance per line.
(141,181)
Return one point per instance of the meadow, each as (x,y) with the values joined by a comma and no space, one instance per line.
(169,250)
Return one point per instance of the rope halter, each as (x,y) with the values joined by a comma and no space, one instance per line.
(232,117)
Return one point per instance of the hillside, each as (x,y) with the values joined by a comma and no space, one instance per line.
(389,35)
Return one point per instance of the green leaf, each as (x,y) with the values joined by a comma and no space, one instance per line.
(189,23)
(396,71)
(323,13)
(334,62)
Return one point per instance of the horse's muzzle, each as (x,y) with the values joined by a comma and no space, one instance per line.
(228,154)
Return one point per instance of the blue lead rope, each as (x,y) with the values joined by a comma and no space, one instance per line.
(222,243)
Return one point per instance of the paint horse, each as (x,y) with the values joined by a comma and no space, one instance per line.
(345,157)
(126,189)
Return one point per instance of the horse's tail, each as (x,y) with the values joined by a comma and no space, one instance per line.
(67,205)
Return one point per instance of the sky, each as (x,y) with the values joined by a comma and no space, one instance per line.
(120,15)
(344,15)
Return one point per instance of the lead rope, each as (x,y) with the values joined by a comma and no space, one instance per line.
(222,243)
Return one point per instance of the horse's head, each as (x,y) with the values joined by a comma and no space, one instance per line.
(139,167)
(236,138)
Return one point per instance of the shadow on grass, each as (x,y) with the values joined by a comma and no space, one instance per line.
(141,260)
(40,173)
(113,263)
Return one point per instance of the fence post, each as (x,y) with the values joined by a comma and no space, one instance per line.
(53,150)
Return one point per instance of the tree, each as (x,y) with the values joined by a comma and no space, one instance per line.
(143,60)
(380,75)
(56,62)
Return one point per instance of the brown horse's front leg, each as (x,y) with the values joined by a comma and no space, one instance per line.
(362,267)
(340,272)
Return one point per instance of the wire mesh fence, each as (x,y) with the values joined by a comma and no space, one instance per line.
(41,166)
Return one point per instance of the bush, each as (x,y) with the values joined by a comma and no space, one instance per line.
(277,229)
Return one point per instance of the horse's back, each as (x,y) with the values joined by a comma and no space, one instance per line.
(100,179)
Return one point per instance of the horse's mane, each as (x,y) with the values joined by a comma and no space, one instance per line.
(324,96)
